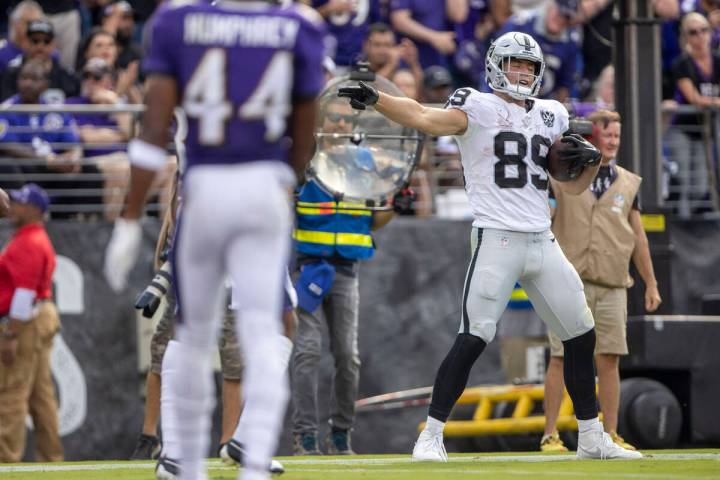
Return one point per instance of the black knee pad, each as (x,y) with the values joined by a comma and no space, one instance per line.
(579,371)
(453,374)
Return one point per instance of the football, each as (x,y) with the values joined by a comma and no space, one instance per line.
(559,169)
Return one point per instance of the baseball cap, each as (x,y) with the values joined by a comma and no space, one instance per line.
(31,194)
(41,26)
(122,5)
(313,283)
(568,7)
(436,76)
(97,67)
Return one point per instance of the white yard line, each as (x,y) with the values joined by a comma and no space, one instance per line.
(499,472)
(491,459)
(358,462)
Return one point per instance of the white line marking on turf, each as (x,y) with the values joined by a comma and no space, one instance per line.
(358,462)
(494,458)
(492,471)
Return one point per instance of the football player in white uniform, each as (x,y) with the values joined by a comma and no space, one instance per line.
(504,139)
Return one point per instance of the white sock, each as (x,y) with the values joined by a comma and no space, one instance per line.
(434,426)
(266,391)
(187,400)
(587,425)
(285,348)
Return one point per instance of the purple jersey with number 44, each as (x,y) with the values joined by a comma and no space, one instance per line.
(239,67)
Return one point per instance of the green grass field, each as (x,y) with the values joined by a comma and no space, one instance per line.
(666,464)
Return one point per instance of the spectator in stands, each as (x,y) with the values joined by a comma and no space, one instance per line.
(437,85)
(697,82)
(596,17)
(30,322)
(104,128)
(386,56)
(473,35)
(430,24)
(347,22)
(670,43)
(550,26)
(119,20)
(65,17)
(102,44)
(31,135)
(41,44)
(97,44)
(711,10)
(48,142)
(406,82)
(17,42)
(98,129)
(602,96)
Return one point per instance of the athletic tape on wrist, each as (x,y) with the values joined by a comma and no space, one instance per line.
(146,155)
(21,306)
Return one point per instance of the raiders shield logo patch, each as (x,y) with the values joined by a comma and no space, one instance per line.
(548,118)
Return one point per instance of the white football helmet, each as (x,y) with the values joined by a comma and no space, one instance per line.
(513,45)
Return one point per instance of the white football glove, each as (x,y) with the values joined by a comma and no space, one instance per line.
(121,253)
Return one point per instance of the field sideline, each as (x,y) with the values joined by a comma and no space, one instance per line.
(665,464)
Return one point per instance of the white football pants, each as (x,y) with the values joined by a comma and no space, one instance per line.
(235,222)
(500,259)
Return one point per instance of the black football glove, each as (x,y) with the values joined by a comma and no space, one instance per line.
(403,201)
(579,152)
(360,96)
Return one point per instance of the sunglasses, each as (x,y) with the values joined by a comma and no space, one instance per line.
(336,117)
(697,31)
(38,41)
(93,76)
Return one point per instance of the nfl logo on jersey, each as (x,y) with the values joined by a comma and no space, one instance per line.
(548,118)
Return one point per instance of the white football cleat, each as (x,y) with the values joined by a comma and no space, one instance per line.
(596,444)
(167,469)
(231,454)
(429,448)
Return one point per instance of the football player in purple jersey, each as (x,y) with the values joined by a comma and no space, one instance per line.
(246,74)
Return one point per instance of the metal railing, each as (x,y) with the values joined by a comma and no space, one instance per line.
(83,179)
(691,149)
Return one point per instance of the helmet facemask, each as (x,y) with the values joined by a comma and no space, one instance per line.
(497,66)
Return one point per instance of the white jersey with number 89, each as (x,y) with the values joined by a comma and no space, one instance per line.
(503,153)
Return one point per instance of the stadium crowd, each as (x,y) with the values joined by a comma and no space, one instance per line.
(90,53)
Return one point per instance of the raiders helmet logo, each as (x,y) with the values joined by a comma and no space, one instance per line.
(548,118)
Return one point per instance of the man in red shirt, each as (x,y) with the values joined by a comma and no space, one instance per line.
(29,321)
